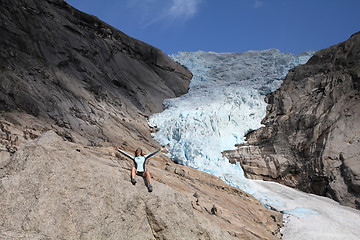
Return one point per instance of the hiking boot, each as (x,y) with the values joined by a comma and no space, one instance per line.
(150,188)
(133,181)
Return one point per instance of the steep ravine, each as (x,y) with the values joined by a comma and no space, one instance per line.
(311,138)
(72,88)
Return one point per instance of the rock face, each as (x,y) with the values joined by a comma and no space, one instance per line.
(311,138)
(52,189)
(72,86)
(82,76)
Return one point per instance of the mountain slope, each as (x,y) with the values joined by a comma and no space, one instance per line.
(51,189)
(311,136)
(71,86)
(79,74)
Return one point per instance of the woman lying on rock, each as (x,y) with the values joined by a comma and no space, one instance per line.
(139,169)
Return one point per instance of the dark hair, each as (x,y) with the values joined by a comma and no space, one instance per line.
(141,153)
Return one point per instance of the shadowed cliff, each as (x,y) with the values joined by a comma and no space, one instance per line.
(82,76)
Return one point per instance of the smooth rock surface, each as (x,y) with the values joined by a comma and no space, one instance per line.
(53,189)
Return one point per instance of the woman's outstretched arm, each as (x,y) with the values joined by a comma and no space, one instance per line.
(152,154)
(126,154)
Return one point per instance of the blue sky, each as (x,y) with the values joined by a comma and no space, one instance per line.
(230,25)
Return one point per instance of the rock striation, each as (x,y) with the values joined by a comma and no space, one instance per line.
(72,86)
(311,138)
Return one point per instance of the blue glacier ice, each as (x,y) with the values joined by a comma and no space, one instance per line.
(301,212)
(225,100)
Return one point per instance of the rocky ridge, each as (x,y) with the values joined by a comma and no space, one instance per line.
(311,136)
(71,88)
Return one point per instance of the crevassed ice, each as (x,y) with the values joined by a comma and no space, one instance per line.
(225,100)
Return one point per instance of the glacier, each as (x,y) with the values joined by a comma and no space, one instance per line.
(224,102)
